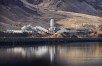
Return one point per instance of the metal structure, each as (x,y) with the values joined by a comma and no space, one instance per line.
(41,30)
(37,29)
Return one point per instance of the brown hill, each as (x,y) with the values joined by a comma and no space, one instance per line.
(16,13)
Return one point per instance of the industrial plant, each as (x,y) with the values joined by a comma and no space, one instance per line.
(52,32)
(36,29)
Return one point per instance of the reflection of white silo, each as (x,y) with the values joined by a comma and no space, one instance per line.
(52,27)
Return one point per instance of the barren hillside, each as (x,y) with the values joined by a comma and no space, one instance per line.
(16,13)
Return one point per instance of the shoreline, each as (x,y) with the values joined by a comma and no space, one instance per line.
(43,41)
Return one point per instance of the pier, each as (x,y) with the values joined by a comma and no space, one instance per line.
(44,41)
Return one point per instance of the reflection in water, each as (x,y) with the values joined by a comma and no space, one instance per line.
(89,54)
(80,55)
(31,51)
(75,54)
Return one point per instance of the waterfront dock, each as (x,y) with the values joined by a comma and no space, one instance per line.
(44,41)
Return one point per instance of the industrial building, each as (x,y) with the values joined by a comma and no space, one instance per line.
(53,29)
(36,29)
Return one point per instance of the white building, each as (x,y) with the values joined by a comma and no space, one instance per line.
(14,31)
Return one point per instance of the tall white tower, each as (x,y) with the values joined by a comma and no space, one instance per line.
(52,26)
(51,23)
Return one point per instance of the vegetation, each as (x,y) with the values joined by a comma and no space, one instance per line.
(89,27)
(100,27)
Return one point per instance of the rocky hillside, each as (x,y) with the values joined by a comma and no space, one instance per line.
(91,7)
(16,13)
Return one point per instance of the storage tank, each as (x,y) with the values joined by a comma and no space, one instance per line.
(52,23)
(52,26)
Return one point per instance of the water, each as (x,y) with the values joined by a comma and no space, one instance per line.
(70,54)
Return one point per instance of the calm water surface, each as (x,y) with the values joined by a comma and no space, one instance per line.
(70,54)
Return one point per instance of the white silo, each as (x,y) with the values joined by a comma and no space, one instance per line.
(52,26)
(52,23)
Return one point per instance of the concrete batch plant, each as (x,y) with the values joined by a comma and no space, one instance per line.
(52,30)
(36,29)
